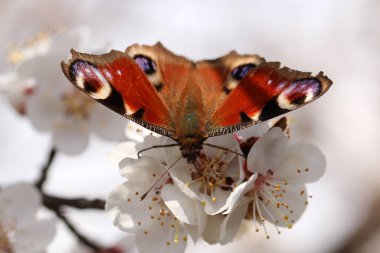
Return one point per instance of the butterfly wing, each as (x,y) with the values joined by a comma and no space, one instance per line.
(118,82)
(264,91)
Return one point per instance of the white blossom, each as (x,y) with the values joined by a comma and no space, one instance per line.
(57,106)
(20,231)
(277,169)
(163,218)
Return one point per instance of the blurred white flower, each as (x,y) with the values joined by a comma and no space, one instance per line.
(57,106)
(163,218)
(20,231)
(277,169)
(214,175)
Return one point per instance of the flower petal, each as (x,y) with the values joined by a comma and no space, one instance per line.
(71,136)
(18,203)
(231,223)
(106,123)
(267,152)
(123,150)
(146,169)
(34,236)
(183,207)
(162,238)
(127,210)
(150,141)
(238,193)
(43,110)
(226,141)
(302,163)
(212,231)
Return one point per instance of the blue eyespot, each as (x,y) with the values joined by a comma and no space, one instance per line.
(241,71)
(145,63)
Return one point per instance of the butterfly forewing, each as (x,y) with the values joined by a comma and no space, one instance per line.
(116,81)
(266,92)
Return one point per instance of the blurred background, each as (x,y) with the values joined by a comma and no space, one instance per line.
(341,38)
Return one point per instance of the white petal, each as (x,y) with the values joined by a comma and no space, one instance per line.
(18,203)
(231,224)
(212,231)
(180,205)
(267,152)
(302,163)
(150,141)
(123,150)
(225,141)
(127,210)
(71,136)
(49,78)
(202,220)
(33,237)
(162,238)
(145,169)
(43,110)
(135,132)
(106,123)
(219,205)
(238,193)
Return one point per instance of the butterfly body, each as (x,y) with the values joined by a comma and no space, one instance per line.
(192,101)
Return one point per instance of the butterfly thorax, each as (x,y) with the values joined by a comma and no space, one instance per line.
(190,124)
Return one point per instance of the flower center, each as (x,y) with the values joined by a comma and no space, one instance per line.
(270,201)
(210,173)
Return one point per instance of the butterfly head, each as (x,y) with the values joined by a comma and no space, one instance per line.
(191,148)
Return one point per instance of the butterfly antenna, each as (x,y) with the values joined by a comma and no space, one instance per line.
(223,148)
(166,171)
(156,146)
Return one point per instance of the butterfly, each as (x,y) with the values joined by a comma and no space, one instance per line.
(191,101)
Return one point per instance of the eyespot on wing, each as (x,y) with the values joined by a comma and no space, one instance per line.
(90,79)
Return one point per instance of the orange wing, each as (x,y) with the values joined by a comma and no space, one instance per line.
(118,82)
(264,92)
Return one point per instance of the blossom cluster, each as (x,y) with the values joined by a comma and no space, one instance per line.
(258,174)
(37,88)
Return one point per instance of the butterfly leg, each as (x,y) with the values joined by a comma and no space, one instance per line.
(156,146)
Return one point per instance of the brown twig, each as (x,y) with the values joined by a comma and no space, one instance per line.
(55,203)
(44,172)
(80,237)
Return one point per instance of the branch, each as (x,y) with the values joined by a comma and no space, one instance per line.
(80,237)
(55,203)
(44,172)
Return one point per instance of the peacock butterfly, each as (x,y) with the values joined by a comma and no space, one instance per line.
(192,101)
